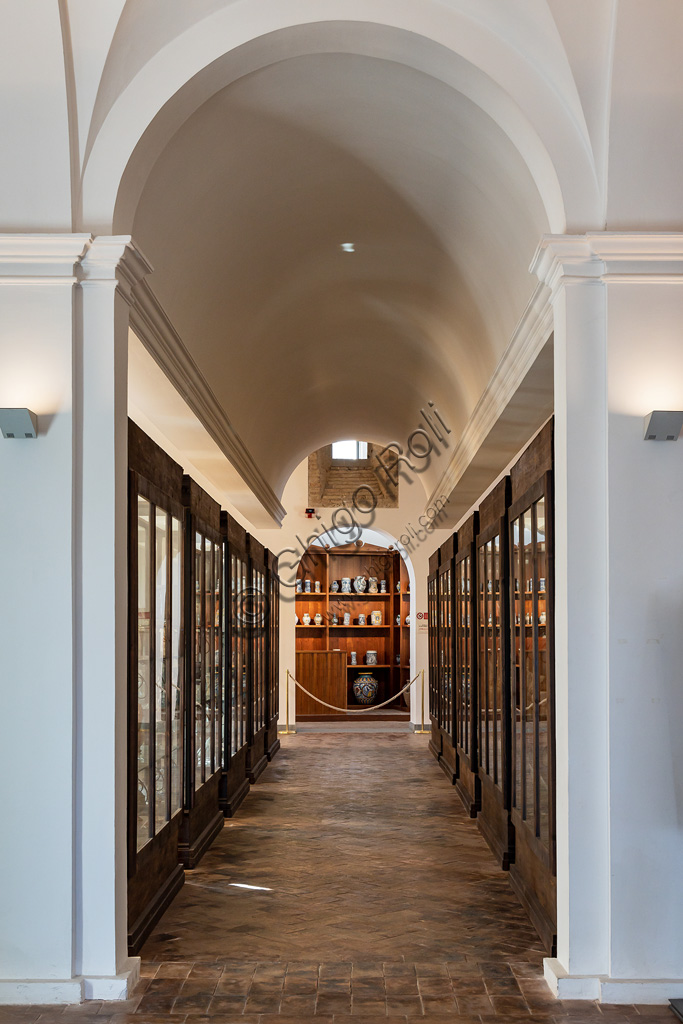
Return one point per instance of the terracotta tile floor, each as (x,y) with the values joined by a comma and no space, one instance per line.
(376,900)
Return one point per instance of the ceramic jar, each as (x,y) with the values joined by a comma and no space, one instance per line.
(398,620)
(365,688)
(335,620)
(398,587)
(407,620)
(299,586)
(359,584)
(347,618)
(346,585)
(317,586)
(306,619)
(352,658)
(307,586)
(318,619)
(375,618)
(372,585)
(335,587)
(361,620)
(382,586)
(371,657)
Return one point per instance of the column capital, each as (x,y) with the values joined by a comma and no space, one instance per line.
(35,257)
(116,259)
(608,256)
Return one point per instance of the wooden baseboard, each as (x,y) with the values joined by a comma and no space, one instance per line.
(257,769)
(273,749)
(504,853)
(547,930)
(434,749)
(190,854)
(230,804)
(447,769)
(153,911)
(471,803)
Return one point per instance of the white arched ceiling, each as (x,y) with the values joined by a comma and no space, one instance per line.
(244,142)
(243,216)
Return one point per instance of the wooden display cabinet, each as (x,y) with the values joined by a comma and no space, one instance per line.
(234,784)
(272,742)
(468,782)
(446,657)
(255,610)
(532,717)
(202,818)
(493,689)
(435,742)
(156,611)
(390,638)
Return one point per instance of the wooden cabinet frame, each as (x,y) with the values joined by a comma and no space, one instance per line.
(272,742)
(493,675)
(154,874)
(465,661)
(234,784)
(202,818)
(254,607)
(445,689)
(533,874)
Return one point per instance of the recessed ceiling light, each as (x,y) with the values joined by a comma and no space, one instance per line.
(348,246)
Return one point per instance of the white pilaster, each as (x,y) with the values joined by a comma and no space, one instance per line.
(63,352)
(109,269)
(618,306)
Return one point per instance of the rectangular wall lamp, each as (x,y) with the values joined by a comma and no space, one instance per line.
(663,425)
(18,423)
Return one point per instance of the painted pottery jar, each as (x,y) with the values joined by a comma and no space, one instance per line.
(361,620)
(352,658)
(299,586)
(365,688)
(376,618)
(382,586)
(335,587)
(307,586)
(306,619)
(359,584)
(317,586)
(346,585)
(371,657)
(318,619)
(372,585)
(347,618)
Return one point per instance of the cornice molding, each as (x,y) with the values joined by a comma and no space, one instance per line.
(117,260)
(614,256)
(38,258)
(156,332)
(532,332)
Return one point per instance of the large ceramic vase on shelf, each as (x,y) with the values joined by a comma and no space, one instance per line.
(365,688)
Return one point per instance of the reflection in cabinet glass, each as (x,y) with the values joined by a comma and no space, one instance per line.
(208,653)
(159,660)
(238,666)
(463,649)
(433,613)
(490,661)
(531,696)
(445,701)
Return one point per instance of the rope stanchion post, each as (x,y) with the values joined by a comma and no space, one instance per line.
(287,731)
(423,731)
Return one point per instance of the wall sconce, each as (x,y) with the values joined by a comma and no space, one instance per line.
(18,423)
(663,425)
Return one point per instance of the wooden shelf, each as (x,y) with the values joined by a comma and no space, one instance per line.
(355,668)
(307,597)
(354,597)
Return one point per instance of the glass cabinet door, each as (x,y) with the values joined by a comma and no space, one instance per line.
(463,652)
(531,683)
(490,660)
(158,540)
